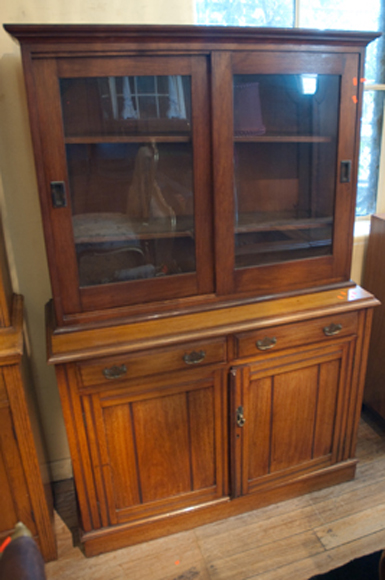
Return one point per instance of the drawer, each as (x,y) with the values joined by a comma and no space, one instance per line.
(299,333)
(134,365)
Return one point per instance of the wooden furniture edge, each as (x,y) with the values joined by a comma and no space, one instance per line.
(115,537)
(11,352)
(11,337)
(42,516)
(68,33)
(130,337)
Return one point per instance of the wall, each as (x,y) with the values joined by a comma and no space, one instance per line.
(18,190)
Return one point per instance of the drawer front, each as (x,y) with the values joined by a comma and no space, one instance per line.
(188,356)
(299,333)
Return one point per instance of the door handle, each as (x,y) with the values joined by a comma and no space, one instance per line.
(345,171)
(240,417)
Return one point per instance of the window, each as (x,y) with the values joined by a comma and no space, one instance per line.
(324,14)
(276,13)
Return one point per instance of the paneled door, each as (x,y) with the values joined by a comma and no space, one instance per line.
(157,445)
(288,415)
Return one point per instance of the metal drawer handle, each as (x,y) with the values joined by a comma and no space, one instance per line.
(266,343)
(333,329)
(194,357)
(115,372)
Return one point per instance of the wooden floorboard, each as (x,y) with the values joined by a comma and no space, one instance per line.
(294,540)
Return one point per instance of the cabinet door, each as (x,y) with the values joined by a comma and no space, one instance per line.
(286,167)
(126,168)
(289,415)
(157,445)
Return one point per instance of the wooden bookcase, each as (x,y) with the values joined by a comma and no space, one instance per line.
(197,188)
(25,488)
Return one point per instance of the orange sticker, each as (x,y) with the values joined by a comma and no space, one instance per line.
(363,80)
(6,542)
(354,99)
(355,81)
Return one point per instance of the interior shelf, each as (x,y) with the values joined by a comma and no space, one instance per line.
(115,227)
(281,139)
(89,140)
(251,223)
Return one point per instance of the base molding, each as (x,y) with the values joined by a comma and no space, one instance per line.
(115,537)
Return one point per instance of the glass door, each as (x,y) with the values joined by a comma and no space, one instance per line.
(137,168)
(293,145)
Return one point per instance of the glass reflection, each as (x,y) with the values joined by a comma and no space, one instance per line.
(285,135)
(130,166)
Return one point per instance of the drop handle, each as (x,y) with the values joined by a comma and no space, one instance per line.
(240,417)
(266,343)
(194,357)
(333,329)
(115,372)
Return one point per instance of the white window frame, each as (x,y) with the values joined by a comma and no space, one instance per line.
(362,223)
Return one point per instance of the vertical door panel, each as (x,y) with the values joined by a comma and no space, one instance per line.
(121,452)
(260,400)
(202,438)
(161,432)
(326,408)
(293,414)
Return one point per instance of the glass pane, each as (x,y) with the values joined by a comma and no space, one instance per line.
(276,13)
(285,135)
(126,105)
(130,166)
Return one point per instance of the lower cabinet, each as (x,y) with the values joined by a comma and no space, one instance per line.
(178,434)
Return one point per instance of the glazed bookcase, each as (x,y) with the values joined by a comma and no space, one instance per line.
(197,187)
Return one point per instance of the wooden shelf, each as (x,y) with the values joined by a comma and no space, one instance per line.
(286,246)
(250,224)
(110,227)
(94,139)
(91,140)
(281,139)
